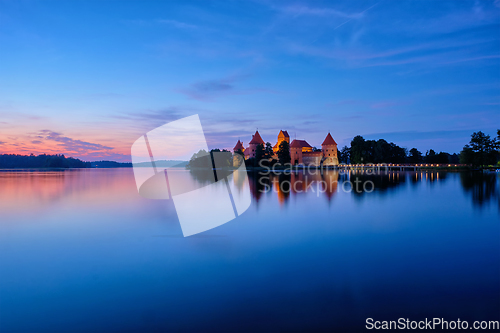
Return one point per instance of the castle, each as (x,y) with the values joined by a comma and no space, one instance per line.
(301,152)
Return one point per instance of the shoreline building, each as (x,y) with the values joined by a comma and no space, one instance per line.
(301,152)
(282,136)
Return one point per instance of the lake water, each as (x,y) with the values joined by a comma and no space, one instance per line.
(81,251)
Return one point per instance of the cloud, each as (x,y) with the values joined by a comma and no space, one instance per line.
(385,104)
(305,10)
(169,22)
(435,53)
(457,20)
(209,90)
(178,24)
(146,120)
(70,144)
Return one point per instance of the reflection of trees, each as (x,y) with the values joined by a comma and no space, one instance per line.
(259,184)
(203,176)
(482,186)
(382,182)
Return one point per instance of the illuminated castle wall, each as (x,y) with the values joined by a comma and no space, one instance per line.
(301,152)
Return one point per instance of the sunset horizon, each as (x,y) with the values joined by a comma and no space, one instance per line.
(89,90)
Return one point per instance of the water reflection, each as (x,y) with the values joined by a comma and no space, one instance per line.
(482,187)
(81,250)
(43,187)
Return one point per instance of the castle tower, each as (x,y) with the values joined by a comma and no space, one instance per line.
(239,146)
(297,148)
(282,136)
(237,159)
(256,140)
(329,150)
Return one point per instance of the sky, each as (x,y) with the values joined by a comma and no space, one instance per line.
(88,78)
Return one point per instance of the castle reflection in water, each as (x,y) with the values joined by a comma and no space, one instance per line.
(481,187)
(94,185)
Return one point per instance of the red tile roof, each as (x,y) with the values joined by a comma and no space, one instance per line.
(239,146)
(300,144)
(256,139)
(329,140)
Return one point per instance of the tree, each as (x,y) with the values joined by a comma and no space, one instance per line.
(430,156)
(224,159)
(259,153)
(481,150)
(284,153)
(268,151)
(201,159)
(467,155)
(344,155)
(380,151)
(415,156)
(357,149)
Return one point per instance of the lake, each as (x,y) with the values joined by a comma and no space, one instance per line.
(81,251)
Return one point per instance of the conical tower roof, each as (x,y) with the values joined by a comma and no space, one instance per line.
(329,141)
(239,146)
(256,139)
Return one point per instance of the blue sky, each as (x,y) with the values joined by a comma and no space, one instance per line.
(87,78)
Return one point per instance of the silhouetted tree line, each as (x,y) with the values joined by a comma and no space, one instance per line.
(41,161)
(482,150)
(371,151)
(203,159)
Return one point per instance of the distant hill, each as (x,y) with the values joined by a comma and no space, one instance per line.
(14,161)
(109,164)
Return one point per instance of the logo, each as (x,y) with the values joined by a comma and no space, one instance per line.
(210,194)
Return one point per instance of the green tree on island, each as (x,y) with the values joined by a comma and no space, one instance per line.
(371,151)
(358,149)
(268,151)
(344,155)
(415,156)
(482,150)
(284,153)
(201,159)
(262,153)
(259,153)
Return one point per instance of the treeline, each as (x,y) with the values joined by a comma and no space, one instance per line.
(482,150)
(371,151)
(8,161)
(203,159)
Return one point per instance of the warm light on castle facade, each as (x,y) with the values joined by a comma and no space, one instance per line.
(301,152)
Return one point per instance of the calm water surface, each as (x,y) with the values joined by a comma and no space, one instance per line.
(81,251)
